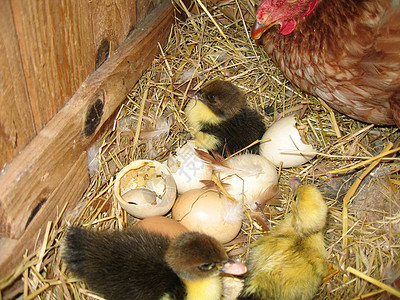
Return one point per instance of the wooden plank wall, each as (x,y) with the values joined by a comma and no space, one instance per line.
(50,168)
(49,48)
(16,120)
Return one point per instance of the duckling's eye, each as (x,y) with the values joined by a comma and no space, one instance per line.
(207,266)
(296,198)
(211,98)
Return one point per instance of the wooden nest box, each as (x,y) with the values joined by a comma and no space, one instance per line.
(66,66)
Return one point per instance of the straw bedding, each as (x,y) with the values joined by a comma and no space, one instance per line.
(357,166)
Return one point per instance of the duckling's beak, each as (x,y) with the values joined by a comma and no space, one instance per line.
(195,94)
(191,93)
(234,268)
(294,183)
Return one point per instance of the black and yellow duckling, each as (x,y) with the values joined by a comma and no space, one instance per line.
(290,261)
(221,120)
(136,264)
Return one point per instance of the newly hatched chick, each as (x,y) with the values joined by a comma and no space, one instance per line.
(290,261)
(222,122)
(136,264)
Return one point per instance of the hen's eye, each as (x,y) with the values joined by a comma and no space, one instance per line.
(207,266)
(211,98)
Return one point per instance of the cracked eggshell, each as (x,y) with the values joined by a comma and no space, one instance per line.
(188,169)
(232,287)
(286,144)
(145,188)
(209,212)
(250,178)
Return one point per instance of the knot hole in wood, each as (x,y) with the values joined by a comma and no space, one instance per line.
(93,116)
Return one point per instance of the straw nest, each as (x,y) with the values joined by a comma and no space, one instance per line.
(356,167)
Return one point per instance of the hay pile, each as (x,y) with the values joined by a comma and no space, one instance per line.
(358,177)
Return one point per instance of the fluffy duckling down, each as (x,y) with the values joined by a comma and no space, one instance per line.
(221,120)
(137,264)
(290,260)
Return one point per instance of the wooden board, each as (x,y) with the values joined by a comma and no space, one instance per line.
(144,7)
(56,45)
(69,191)
(38,170)
(49,48)
(16,121)
(112,21)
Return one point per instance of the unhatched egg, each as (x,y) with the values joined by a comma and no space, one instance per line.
(209,212)
(250,178)
(163,225)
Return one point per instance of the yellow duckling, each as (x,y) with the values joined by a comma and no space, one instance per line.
(290,260)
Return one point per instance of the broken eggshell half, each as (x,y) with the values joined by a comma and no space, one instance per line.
(285,143)
(145,188)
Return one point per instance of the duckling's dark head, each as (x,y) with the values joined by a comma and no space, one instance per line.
(195,256)
(222,97)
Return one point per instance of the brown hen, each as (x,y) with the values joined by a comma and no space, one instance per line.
(345,51)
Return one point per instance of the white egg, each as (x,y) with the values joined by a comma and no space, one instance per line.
(250,178)
(188,169)
(285,145)
(145,188)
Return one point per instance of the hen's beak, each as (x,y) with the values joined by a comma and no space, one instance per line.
(258,29)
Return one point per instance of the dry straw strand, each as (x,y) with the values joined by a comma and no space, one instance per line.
(216,25)
(379,284)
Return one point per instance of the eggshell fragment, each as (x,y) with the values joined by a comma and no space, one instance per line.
(140,196)
(250,178)
(145,188)
(209,212)
(232,287)
(163,225)
(286,144)
(188,169)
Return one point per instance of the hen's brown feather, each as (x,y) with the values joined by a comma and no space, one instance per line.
(348,53)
